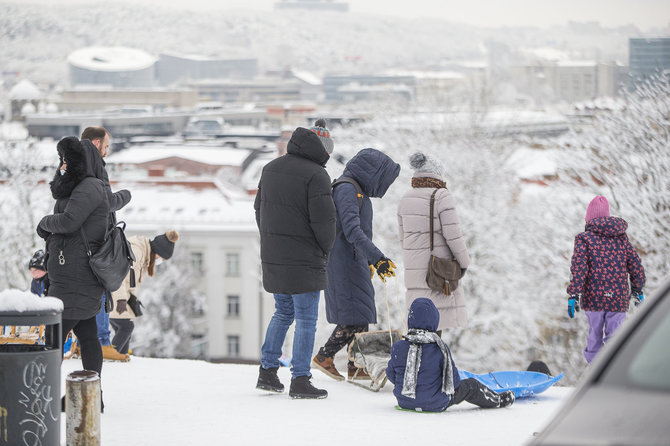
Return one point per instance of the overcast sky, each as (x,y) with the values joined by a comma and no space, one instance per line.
(645,14)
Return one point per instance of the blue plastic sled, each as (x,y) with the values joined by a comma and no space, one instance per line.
(523,384)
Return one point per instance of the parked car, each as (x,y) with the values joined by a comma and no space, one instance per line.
(624,399)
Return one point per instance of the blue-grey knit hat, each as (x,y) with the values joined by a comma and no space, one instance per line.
(324,135)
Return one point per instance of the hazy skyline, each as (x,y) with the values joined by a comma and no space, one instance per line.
(645,14)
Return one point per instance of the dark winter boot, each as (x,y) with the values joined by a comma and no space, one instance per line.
(506,398)
(476,393)
(302,388)
(268,380)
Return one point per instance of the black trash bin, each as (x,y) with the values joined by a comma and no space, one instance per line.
(30,382)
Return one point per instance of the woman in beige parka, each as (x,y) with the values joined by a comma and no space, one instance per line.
(414,229)
(147,252)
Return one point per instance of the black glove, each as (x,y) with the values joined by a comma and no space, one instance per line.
(385,268)
(463,270)
(121,306)
(43,233)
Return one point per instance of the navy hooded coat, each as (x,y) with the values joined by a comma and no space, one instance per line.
(429,395)
(350,296)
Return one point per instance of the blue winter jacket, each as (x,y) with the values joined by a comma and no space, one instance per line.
(350,296)
(429,396)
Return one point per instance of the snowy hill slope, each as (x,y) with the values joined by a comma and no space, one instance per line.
(166,402)
(37,37)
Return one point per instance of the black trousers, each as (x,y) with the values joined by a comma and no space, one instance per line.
(86,331)
(123,330)
(476,393)
(341,336)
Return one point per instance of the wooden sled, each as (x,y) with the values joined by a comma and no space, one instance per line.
(370,351)
(33,335)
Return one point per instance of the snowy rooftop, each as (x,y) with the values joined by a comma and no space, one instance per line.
(198,206)
(222,156)
(24,91)
(111,59)
(533,163)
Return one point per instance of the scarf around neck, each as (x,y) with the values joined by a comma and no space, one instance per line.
(428,182)
(417,338)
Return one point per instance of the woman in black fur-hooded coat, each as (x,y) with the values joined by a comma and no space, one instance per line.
(81,202)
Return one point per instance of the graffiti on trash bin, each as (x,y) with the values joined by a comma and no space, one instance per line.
(3,424)
(37,399)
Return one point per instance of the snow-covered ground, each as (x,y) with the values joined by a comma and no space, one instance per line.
(181,402)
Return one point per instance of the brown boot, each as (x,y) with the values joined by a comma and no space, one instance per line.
(327,366)
(356,372)
(110,353)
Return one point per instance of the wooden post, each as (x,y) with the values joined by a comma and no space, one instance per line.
(82,408)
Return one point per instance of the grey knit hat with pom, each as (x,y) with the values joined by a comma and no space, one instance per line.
(424,164)
(324,134)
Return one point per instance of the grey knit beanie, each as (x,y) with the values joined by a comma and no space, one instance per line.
(324,135)
(422,163)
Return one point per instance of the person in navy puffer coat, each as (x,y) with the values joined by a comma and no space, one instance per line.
(350,296)
(423,373)
(602,262)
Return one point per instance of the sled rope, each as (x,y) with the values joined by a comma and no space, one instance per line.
(388,311)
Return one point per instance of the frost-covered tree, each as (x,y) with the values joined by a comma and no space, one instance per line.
(625,156)
(622,154)
(171,304)
(24,199)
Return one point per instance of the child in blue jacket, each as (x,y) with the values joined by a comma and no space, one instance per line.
(423,373)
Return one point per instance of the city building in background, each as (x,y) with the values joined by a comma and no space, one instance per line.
(648,57)
(112,66)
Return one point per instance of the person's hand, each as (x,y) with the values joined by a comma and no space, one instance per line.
(463,270)
(121,306)
(573,304)
(385,268)
(372,271)
(637,297)
(43,233)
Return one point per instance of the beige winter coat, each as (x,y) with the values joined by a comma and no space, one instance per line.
(414,226)
(142,250)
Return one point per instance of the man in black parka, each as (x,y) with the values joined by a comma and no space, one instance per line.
(296,218)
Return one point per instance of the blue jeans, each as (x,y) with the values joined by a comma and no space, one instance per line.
(304,309)
(102,320)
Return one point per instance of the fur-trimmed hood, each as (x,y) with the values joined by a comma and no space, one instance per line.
(72,152)
(82,160)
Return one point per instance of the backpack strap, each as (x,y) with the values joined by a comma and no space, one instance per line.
(359,191)
(359,195)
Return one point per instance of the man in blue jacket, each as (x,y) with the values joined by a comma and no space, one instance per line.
(296,219)
(423,373)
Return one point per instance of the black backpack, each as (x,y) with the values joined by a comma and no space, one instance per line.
(113,261)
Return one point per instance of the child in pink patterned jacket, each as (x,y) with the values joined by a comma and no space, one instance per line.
(602,262)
